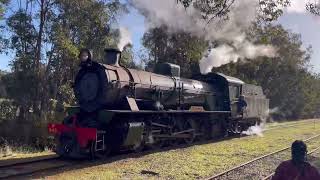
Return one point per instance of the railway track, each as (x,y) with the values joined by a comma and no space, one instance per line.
(51,162)
(309,153)
(263,167)
(24,168)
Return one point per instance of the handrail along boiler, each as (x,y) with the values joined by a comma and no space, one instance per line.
(121,108)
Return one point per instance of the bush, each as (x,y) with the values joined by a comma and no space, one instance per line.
(7,110)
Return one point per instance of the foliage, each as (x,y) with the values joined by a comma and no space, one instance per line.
(210,9)
(127,58)
(7,110)
(178,48)
(270,10)
(3,3)
(3,92)
(314,8)
(3,40)
(286,79)
(46,38)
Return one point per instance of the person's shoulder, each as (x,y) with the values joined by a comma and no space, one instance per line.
(310,166)
(312,171)
(286,163)
(282,170)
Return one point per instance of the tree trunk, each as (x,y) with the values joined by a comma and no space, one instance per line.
(40,92)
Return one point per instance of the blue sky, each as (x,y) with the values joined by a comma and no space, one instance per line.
(295,18)
(309,28)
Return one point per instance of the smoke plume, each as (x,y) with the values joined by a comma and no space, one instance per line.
(231,33)
(254,130)
(225,54)
(258,129)
(273,110)
(125,38)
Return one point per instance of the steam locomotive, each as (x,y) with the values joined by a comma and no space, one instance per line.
(121,108)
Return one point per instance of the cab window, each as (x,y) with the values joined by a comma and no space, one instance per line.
(234,92)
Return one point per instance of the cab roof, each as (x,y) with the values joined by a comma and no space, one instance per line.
(230,79)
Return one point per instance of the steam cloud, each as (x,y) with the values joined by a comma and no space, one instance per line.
(125,38)
(258,129)
(235,45)
(254,130)
(225,54)
(274,110)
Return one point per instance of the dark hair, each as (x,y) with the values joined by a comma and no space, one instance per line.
(298,151)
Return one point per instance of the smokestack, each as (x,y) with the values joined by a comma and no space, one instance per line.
(112,56)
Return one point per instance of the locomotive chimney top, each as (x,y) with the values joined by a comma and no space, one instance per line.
(112,56)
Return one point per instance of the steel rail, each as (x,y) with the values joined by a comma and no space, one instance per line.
(18,169)
(256,159)
(311,152)
(27,160)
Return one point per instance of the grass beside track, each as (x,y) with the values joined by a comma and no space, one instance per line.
(197,161)
(22,154)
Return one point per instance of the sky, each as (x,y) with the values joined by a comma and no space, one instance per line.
(298,20)
(295,18)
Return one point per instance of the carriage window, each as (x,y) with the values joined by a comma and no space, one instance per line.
(234,92)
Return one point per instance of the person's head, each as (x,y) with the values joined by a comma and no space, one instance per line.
(85,55)
(242,97)
(298,151)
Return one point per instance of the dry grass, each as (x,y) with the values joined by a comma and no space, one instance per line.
(7,152)
(197,161)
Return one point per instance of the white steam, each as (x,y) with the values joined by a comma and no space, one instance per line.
(225,54)
(258,129)
(125,38)
(174,16)
(254,130)
(274,110)
(235,45)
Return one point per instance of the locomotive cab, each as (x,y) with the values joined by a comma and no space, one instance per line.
(167,69)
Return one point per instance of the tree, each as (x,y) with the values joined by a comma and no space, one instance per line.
(210,9)
(3,41)
(285,79)
(21,82)
(3,3)
(270,10)
(178,48)
(46,40)
(3,92)
(79,24)
(314,8)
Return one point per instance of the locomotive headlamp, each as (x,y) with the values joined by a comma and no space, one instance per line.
(84,56)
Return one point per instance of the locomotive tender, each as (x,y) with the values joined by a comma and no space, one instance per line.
(121,108)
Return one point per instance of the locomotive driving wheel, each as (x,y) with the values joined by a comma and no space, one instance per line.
(98,154)
(176,128)
(188,130)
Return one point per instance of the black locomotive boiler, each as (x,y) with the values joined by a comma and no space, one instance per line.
(121,108)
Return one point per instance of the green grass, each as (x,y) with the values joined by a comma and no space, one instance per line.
(283,123)
(197,161)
